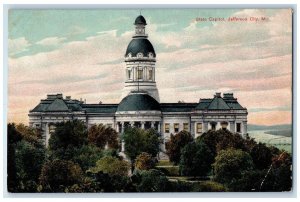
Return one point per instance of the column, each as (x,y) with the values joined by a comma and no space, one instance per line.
(192,128)
(232,126)
(47,134)
(205,126)
(122,127)
(122,141)
(244,128)
(159,127)
(143,124)
(131,124)
(152,124)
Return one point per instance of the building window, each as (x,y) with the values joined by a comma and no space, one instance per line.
(167,127)
(199,127)
(176,127)
(186,126)
(140,74)
(150,75)
(238,127)
(129,74)
(213,126)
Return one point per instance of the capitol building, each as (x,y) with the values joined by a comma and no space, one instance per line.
(140,105)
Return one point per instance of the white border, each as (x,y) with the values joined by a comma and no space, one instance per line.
(110,4)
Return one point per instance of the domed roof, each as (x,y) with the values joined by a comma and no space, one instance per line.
(140,20)
(138,102)
(140,45)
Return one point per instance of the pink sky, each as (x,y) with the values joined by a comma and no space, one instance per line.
(258,70)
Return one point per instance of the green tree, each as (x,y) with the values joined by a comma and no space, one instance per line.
(224,139)
(86,156)
(138,140)
(151,181)
(31,135)
(13,136)
(29,161)
(176,144)
(26,156)
(230,164)
(112,166)
(101,135)
(195,160)
(144,161)
(70,133)
(57,175)
(261,155)
(103,182)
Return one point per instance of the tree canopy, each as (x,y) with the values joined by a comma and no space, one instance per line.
(101,135)
(71,133)
(138,140)
(195,160)
(58,174)
(230,164)
(112,166)
(176,144)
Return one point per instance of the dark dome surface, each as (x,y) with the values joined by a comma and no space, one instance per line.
(140,45)
(140,20)
(138,102)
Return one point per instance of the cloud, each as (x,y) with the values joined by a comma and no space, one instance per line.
(252,60)
(18,45)
(51,41)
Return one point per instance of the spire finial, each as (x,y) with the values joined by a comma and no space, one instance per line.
(140,11)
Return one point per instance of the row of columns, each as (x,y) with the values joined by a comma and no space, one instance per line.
(132,124)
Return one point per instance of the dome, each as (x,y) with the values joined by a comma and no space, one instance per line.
(138,102)
(140,45)
(140,20)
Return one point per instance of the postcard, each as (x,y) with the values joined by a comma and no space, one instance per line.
(150,100)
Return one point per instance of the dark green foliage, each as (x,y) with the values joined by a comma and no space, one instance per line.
(58,174)
(138,141)
(196,159)
(176,143)
(26,156)
(261,155)
(151,181)
(223,139)
(13,135)
(87,156)
(230,164)
(103,182)
(279,178)
(101,135)
(70,133)
(248,182)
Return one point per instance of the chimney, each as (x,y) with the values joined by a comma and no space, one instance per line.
(218,95)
